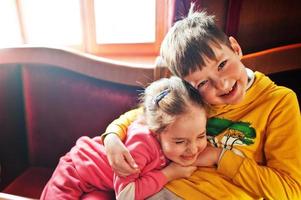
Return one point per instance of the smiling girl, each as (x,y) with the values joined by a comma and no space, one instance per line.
(165,142)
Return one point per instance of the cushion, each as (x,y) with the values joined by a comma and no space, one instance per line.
(30,183)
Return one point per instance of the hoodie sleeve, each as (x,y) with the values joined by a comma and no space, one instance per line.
(151,180)
(119,126)
(280,177)
(83,170)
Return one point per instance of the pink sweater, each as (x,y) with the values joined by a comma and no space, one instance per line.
(85,173)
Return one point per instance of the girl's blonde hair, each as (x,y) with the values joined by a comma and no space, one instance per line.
(166,99)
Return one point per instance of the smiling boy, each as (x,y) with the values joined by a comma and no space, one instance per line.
(217,84)
(254,125)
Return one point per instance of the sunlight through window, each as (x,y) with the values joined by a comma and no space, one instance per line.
(131,21)
(55,22)
(10,30)
(100,27)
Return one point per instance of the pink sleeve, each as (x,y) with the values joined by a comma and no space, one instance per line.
(65,182)
(84,169)
(151,180)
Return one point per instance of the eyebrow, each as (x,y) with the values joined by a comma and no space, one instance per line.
(216,59)
(182,138)
(219,57)
(203,133)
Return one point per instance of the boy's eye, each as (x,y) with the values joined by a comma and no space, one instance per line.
(222,65)
(202,84)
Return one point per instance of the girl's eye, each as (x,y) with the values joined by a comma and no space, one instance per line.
(179,142)
(222,65)
(201,84)
(201,136)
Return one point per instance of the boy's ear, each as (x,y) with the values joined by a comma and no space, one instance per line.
(235,46)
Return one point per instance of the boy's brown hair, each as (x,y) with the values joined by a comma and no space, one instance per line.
(189,42)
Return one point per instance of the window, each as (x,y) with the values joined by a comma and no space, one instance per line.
(138,27)
(100,27)
(52,22)
(135,24)
(10,34)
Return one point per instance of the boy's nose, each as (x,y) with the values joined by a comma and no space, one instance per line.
(221,83)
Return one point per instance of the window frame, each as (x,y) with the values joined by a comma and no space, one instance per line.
(141,49)
(89,44)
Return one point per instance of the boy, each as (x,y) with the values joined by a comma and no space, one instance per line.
(254,125)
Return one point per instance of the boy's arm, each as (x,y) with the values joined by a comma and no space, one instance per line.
(119,157)
(119,126)
(280,177)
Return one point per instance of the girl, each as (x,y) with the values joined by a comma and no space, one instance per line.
(165,143)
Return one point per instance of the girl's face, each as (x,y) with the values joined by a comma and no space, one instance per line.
(185,138)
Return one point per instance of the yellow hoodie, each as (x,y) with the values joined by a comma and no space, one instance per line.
(262,138)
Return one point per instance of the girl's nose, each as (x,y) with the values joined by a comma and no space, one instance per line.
(193,148)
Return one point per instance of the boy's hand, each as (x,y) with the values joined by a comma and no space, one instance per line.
(119,157)
(175,171)
(208,157)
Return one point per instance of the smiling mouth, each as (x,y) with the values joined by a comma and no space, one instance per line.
(188,157)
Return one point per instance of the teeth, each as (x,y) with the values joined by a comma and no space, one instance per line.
(229,91)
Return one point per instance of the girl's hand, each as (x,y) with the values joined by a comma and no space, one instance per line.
(119,157)
(175,171)
(208,157)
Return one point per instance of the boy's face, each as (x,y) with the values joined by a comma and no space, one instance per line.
(222,81)
(185,138)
